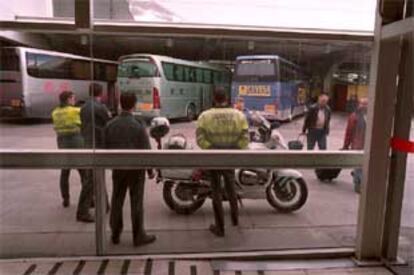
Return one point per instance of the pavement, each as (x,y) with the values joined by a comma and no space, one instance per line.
(34,224)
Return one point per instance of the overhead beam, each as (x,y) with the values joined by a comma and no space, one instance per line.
(187,30)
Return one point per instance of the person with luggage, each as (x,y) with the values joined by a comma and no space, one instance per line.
(316,125)
(355,136)
(67,125)
(222,127)
(126,132)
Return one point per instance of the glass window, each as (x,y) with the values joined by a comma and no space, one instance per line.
(178,72)
(9,60)
(199,75)
(136,68)
(48,66)
(207,76)
(81,69)
(168,69)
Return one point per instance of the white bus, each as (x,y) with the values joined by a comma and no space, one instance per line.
(170,87)
(31,80)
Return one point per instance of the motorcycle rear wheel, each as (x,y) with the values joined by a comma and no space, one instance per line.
(289,196)
(177,203)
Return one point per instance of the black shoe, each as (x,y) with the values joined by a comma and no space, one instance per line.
(116,238)
(92,204)
(235,222)
(145,239)
(216,231)
(66,203)
(88,218)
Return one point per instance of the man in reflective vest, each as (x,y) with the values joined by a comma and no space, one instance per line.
(222,127)
(66,122)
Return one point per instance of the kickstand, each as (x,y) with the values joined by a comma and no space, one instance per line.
(239,199)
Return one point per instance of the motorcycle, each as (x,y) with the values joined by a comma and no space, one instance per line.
(186,190)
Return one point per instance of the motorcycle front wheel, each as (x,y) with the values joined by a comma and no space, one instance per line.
(182,198)
(287,194)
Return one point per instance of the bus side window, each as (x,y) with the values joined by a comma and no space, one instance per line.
(178,72)
(199,75)
(168,69)
(80,69)
(191,74)
(207,76)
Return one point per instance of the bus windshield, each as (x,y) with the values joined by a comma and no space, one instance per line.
(137,69)
(256,70)
(9,60)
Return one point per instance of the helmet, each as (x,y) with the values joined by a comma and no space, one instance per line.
(176,141)
(160,126)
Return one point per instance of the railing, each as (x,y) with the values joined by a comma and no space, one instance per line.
(99,160)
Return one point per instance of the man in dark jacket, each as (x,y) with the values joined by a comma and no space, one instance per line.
(125,132)
(316,124)
(94,116)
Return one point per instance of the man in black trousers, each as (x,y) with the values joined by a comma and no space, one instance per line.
(94,116)
(126,132)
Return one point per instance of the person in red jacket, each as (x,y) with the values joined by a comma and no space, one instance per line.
(355,136)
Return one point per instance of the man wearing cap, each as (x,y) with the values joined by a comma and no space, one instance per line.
(222,127)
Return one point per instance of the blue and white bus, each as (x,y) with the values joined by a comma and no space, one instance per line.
(270,85)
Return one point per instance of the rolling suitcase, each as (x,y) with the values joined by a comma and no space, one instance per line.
(327,174)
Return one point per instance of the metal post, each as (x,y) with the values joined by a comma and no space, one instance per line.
(382,91)
(100,208)
(402,125)
(83,14)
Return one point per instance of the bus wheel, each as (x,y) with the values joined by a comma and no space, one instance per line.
(191,112)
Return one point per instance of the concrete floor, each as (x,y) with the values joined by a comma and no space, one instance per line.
(33,222)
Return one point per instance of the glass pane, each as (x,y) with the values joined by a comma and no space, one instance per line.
(41,92)
(36,9)
(406,239)
(326,15)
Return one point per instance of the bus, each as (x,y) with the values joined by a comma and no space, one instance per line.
(31,80)
(270,85)
(170,87)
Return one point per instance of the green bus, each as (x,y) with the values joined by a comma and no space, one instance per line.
(170,87)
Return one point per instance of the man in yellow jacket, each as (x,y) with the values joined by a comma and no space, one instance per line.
(222,127)
(66,122)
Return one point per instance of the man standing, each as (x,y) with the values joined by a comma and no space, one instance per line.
(316,124)
(355,136)
(94,116)
(222,127)
(125,132)
(66,122)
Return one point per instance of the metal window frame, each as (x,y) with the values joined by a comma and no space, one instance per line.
(371,222)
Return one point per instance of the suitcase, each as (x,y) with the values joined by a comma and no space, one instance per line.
(327,174)
(295,144)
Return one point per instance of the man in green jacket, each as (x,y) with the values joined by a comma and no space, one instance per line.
(67,125)
(222,127)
